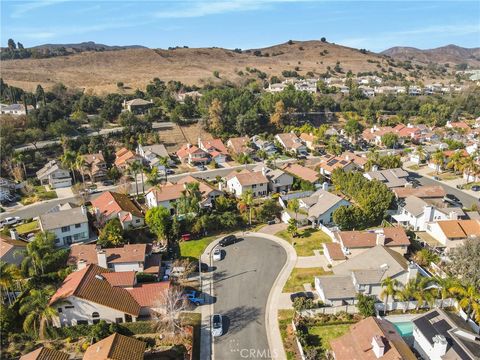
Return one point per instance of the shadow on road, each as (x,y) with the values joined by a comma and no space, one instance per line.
(220,276)
(237,318)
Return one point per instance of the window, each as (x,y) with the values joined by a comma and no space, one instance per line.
(254,186)
(95,315)
(69,307)
(67,239)
(65,228)
(118,320)
(128,318)
(59,310)
(137,221)
(82,322)
(77,226)
(57,240)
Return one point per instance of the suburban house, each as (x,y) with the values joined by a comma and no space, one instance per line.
(264,145)
(292,143)
(124,157)
(193,155)
(278,180)
(279,87)
(180,97)
(167,194)
(329,163)
(55,175)
(408,131)
(116,347)
(363,273)
(374,134)
(462,125)
(393,178)
(15,109)
(359,161)
(94,293)
(316,209)
(452,233)
(416,213)
(215,148)
(45,353)
(87,296)
(68,224)
(447,155)
(11,251)
(355,242)
(309,140)
(370,339)
(137,106)
(426,192)
(239,145)
(240,182)
(110,205)
(129,257)
(302,173)
(439,334)
(152,155)
(334,253)
(95,167)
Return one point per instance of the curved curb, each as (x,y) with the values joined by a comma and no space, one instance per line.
(277,351)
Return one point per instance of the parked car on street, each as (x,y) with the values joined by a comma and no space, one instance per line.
(302,294)
(476,188)
(194,297)
(228,240)
(11,220)
(217,326)
(453,200)
(217,254)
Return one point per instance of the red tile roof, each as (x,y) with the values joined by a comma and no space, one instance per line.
(150,295)
(116,347)
(122,279)
(214,144)
(302,172)
(7,244)
(335,251)
(394,236)
(111,203)
(44,353)
(123,156)
(89,284)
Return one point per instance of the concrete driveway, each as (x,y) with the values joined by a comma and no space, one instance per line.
(242,283)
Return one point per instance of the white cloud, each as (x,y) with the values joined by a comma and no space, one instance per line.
(23,8)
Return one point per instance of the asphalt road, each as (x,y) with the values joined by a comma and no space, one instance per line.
(242,282)
(466,199)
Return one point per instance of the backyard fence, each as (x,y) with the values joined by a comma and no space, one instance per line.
(299,345)
(330,310)
(411,305)
(329,231)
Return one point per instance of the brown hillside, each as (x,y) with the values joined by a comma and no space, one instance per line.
(101,71)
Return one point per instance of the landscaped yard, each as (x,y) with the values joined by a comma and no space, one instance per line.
(27,227)
(306,241)
(328,332)
(300,276)
(39,193)
(445,176)
(285,320)
(194,248)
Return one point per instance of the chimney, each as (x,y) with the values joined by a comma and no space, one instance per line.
(428,213)
(84,210)
(439,346)
(325,186)
(264,171)
(81,264)
(102,259)
(412,271)
(14,234)
(380,237)
(375,168)
(453,215)
(188,145)
(378,346)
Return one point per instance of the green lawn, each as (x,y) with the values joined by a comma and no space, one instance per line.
(300,276)
(306,241)
(27,227)
(39,194)
(328,332)
(284,320)
(445,176)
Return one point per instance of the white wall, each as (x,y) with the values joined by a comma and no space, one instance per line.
(74,231)
(130,266)
(83,310)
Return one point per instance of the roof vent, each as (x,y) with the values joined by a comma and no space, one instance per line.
(99,277)
(384,267)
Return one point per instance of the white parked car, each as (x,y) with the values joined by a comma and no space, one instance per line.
(10,220)
(217,255)
(217,325)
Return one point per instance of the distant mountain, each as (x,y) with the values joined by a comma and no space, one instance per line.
(452,54)
(86,46)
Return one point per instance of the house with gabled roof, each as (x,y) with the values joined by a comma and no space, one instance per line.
(453,233)
(95,166)
(291,143)
(137,106)
(110,205)
(44,353)
(364,273)
(330,163)
(124,157)
(11,251)
(116,347)
(302,172)
(239,145)
(215,148)
(278,180)
(55,175)
(240,182)
(152,154)
(392,178)
(193,155)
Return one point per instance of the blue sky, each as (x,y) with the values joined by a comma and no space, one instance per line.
(374,25)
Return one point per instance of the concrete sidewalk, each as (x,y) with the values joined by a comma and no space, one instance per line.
(317,260)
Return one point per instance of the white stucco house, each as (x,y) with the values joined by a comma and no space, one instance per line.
(245,180)
(278,180)
(68,224)
(55,175)
(452,233)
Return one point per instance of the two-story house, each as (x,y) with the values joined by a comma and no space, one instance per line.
(68,224)
(278,180)
(125,157)
(215,148)
(11,251)
(302,173)
(193,155)
(453,233)
(110,205)
(95,167)
(55,175)
(152,155)
(239,145)
(264,145)
(292,143)
(392,178)
(240,182)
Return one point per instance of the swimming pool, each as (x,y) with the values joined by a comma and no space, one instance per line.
(405,329)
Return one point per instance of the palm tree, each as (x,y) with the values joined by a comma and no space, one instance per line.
(80,165)
(470,166)
(247,201)
(404,295)
(134,168)
(37,309)
(190,200)
(68,160)
(164,162)
(294,205)
(443,289)
(455,162)
(438,158)
(19,158)
(421,153)
(9,275)
(262,154)
(469,299)
(422,292)
(389,286)
(274,158)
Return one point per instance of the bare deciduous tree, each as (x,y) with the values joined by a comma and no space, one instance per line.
(173,303)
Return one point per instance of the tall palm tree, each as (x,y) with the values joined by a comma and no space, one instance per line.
(421,153)
(404,295)
(469,299)
(422,292)
(389,286)
(80,165)
(470,166)
(294,205)
(9,275)
(247,200)
(455,162)
(134,168)
(68,160)
(443,289)
(37,309)
(19,158)
(438,158)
